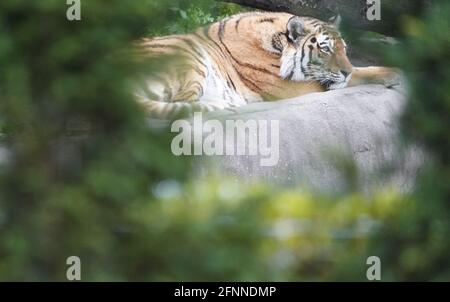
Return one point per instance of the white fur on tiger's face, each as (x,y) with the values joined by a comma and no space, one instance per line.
(245,58)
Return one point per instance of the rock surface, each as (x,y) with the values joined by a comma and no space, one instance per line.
(327,141)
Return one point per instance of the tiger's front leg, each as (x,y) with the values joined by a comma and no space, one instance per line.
(386,76)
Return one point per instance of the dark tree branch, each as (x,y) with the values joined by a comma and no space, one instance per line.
(353,12)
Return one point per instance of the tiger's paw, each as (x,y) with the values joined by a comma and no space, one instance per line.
(391,77)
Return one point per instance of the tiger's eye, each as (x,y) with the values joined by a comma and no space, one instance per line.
(314,40)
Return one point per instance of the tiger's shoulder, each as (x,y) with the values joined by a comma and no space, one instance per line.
(260,27)
(247,28)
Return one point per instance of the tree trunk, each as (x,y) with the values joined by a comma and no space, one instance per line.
(353,12)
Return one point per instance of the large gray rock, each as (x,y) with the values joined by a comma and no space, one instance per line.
(327,141)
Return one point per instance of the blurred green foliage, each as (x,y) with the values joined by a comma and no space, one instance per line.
(75,141)
(198,14)
(81,174)
(415,243)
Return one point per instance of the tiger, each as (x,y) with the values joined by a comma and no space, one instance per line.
(246,58)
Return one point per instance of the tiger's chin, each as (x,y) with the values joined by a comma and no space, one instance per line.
(333,85)
(337,85)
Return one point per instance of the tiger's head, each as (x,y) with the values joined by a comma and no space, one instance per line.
(315,51)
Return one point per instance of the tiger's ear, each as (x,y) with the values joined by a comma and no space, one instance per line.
(335,21)
(295,29)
